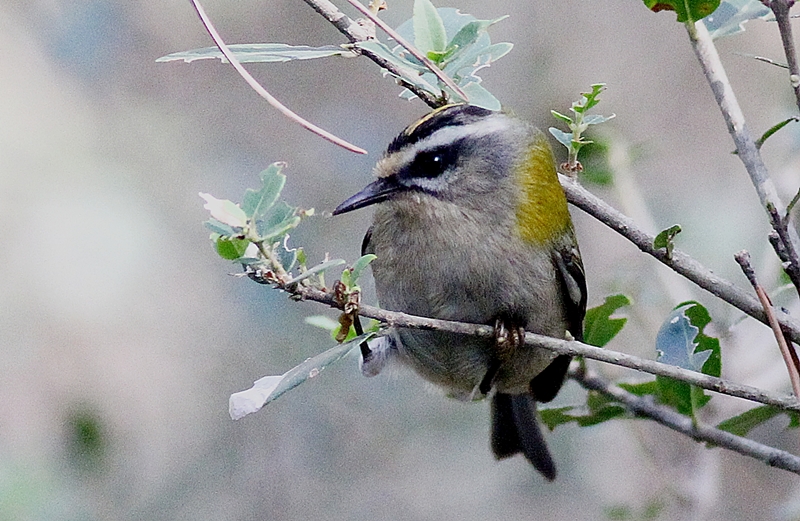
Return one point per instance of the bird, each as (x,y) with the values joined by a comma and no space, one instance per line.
(471,225)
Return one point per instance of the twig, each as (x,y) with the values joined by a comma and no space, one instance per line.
(410,48)
(563,347)
(787,351)
(784,248)
(680,262)
(643,406)
(746,147)
(780,8)
(357,33)
(262,91)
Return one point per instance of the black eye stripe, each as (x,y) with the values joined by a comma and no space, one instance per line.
(431,163)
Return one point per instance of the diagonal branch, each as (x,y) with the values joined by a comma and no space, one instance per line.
(262,91)
(642,406)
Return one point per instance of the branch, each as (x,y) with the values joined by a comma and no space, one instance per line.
(787,351)
(679,261)
(262,91)
(780,8)
(746,148)
(643,406)
(357,33)
(562,347)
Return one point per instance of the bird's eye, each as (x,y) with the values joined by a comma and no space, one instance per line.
(433,163)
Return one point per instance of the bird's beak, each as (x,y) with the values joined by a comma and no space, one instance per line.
(375,192)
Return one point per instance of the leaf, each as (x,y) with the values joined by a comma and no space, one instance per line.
(277,221)
(220,229)
(730,16)
(316,269)
(260,52)
(565,138)
(774,128)
(687,10)
(322,322)
(225,211)
(599,409)
(429,31)
(256,203)
(481,97)
(681,342)
(742,424)
(359,266)
(599,328)
(596,168)
(664,239)
(270,388)
(231,249)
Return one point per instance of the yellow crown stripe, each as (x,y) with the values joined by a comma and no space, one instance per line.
(414,126)
(542,211)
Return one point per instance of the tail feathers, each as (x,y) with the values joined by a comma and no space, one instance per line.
(515,429)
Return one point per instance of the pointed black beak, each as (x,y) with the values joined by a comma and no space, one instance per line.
(375,192)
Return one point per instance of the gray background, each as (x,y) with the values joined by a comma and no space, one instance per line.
(115,309)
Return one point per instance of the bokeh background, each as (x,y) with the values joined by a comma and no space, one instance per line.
(122,334)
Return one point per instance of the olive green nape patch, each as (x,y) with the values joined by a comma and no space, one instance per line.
(542,212)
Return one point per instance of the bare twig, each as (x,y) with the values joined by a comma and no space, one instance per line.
(262,91)
(357,33)
(780,8)
(643,406)
(564,347)
(410,48)
(787,351)
(784,248)
(680,261)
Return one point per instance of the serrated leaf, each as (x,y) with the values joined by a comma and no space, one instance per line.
(260,52)
(256,203)
(231,249)
(729,18)
(565,138)
(270,388)
(599,328)
(429,31)
(686,10)
(682,342)
(316,269)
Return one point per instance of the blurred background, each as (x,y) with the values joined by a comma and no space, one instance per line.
(122,334)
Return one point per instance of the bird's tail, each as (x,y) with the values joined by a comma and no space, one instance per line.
(515,429)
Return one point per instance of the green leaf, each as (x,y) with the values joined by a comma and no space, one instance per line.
(257,203)
(566,119)
(260,52)
(277,221)
(481,97)
(599,328)
(773,129)
(730,16)
(687,10)
(221,229)
(741,425)
(231,249)
(599,409)
(429,32)
(596,168)
(664,239)
(640,389)
(322,322)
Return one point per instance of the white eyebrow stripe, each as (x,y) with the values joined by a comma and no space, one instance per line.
(444,136)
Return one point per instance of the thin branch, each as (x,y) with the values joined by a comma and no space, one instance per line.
(262,91)
(679,261)
(563,347)
(780,8)
(410,48)
(746,148)
(643,406)
(784,249)
(787,351)
(358,33)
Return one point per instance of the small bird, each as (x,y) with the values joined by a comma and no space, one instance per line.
(471,224)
